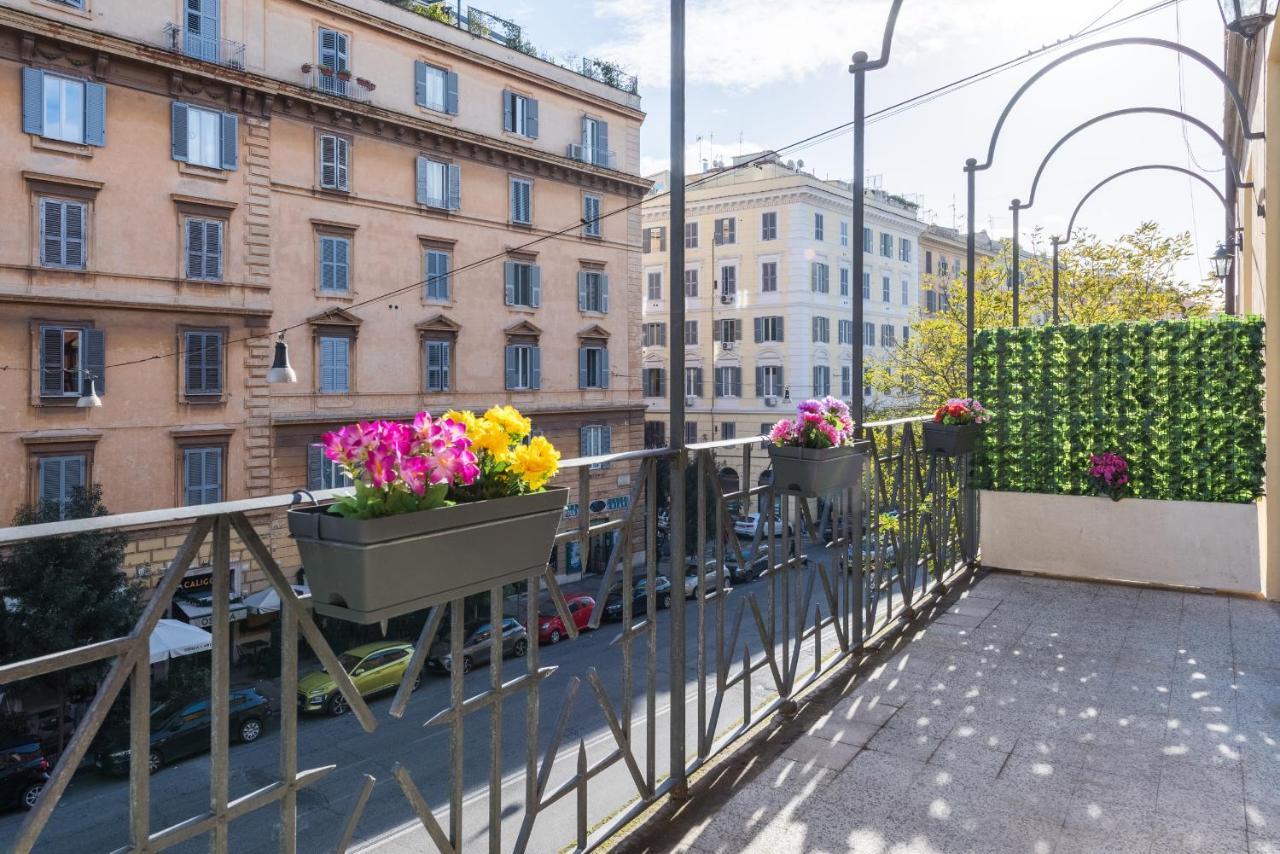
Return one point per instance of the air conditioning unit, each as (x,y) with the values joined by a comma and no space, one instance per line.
(726,345)
(690,400)
(726,299)
(770,400)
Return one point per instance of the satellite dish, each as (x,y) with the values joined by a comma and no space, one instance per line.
(800,163)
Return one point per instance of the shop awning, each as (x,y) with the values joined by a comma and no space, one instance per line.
(174,638)
(268,601)
(197,607)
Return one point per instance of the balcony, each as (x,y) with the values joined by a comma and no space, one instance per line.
(338,84)
(594,156)
(206,48)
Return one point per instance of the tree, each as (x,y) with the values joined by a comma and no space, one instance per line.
(65,592)
(1134,278)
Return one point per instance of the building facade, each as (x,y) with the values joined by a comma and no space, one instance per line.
(767,285)
(942,258)
(424,210)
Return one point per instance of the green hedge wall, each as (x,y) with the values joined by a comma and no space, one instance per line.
(1181,400)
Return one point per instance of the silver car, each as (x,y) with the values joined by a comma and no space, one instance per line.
(477,645)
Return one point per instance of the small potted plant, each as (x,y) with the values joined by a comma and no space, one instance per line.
(441,508)
(306,67)
(325,70)
(344,75)
(1109,474)
(815,453)
(365,84)
(955,427)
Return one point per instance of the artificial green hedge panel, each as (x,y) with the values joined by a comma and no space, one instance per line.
(1181,400)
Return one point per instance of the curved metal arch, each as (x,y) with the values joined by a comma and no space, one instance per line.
(1146,167)
(1241,111)
(1164,111)
(864,64)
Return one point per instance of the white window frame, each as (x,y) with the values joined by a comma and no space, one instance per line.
(63,119)
(435,75)
(653,285)
(593,442)
(524,366)
(204,150)
(771,380)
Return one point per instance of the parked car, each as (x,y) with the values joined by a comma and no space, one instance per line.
(713,573)
(639,597)
(373,667)
(23,773)
(181,728)
(551,628)
(745,526)
(477,644)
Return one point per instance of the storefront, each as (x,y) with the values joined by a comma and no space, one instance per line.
(193,601)
(599,546)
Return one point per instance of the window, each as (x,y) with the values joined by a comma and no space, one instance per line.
(904,249)
(868,335)
(764,431)
(69,355)
(521,201)
(335,162)
(593,291)
(691,333)
(768,329)
(885,288)
(844,281)
(821,330)
(726,231)
(906,334)
(769,381)
(930,302)
(205,137)
(868,242)
(519,114)
(322,472)
(438,263)
(591,216)
(62,233)
(595,143)
(769,276)
(595,441)
(928,262)
(202,363)
(768,226)
(335,365)
(846,381)
(653,281)
(655,235)
(728,430)
(727,331)
(866,285)
(691,283)
(690,235)
(819,229)
(335,266)
(906,292)
(203,249)
(844,332)
(523,284)
(690,432)
(942,266)
(438,357)
(332,53)
(201,475)
(63,108)
(593,366)
(728,382)
(58,477)
(653,380)
(844,233)
(438,184)
(693,382)
(821,380)
(886,244)
(435,88)
(654,334)
(820,278)
(523,367)
(886,335)
(728,280)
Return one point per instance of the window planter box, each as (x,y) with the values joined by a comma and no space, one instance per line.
(951,440)
(1194,544)
(813,472)
(366,571)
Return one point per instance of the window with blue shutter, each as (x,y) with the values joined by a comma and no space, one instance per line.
(593,291)
(521,201)
(523,284)
(844,281)
(335,264)
(62,225)
(322,472)
(203,249)
(202,363)
(523,366)
(593,366)
(335,162)
(595,440)
(846,382)
(591,216)
(866,285)
(63,108)
(821,381)
(867,240)
(335,365)
(769,277)
(439,184)
(332,53)
(69,357)
(438,359)
(768,226)
(906,292)
(202,475)
(844,233)
(595,142)
(437,275)
(200,31)
(886,335)
(819,227)
(886,245)
(868,335)
(204,137)
(519,114)
(57,479)
(904,249)
(432,87)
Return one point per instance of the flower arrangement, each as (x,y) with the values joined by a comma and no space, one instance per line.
(961,410)
(433,462)
(822,423)
(344,74)
(325,70)
(306,68)
(1109,473)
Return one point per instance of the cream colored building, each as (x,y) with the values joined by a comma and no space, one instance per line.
(767,286)
(184,176)
(942,258)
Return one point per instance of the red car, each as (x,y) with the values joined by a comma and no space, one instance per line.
(551,628)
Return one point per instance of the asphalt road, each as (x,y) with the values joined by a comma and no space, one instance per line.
(93,814)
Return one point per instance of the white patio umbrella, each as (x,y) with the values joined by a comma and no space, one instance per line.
(174,638)
(268,601)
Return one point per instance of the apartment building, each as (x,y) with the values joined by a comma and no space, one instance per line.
(767,285)
(186,176)
(942,258)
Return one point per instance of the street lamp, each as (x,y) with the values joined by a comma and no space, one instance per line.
(90,400)
(280,371)
(1221,261)
(1247,17)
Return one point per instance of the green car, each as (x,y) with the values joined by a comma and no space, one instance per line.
(373,667)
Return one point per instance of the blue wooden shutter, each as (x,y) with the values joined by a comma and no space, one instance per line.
(422,166)
(342,364)
(32,101)
(535,285)
(446,359)
(759,329)
(193,465)
(95,360)
(453,187)
(420,83)
(315,466)
(51,244)
(328,161)
(584,381)
(51,360)
(212,249)
(604,366)
(230,141)
(511,367)
(531,118)
(509,282)
(451,92)
(535,372)
(602,143)
(95,114)
(73,234)
(582,291)
(508,111)
(604,293)
(178,132)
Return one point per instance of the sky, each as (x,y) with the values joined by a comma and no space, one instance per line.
(763,74)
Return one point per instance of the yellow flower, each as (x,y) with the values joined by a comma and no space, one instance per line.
(465,417)
(536,463)
(510,419)
(487,436)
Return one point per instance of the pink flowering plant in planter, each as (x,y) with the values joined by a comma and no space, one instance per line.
(822,423)
(961,410)
(1109,474)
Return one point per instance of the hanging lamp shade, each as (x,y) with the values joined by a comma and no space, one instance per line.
(90,400)
(280,371)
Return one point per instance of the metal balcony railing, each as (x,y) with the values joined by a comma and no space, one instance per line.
(332,83)
(208,48)
(594,156)
(834,575)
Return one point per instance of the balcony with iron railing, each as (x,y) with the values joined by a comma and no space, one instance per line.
(207,48)
(590,154)
(340,84)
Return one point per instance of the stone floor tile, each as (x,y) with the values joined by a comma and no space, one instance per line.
(1212,807)
(863,710)
(1103,842)
(1141,763)
(1189,835)
(904,743)
(833,728)
(811,750)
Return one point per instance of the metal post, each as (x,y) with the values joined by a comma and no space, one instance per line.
(1017,252)
(970,166)
(1230,242)
(680,783)
(859,248)
(1055,243)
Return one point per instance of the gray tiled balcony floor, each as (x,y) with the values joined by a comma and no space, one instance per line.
(1038,716)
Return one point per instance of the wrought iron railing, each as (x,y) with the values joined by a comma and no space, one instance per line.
(208,48)
(343,85)
(594,156)
(833,575)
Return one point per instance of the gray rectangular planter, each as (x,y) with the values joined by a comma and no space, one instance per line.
(950,440)
(369,570)
(812,472)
